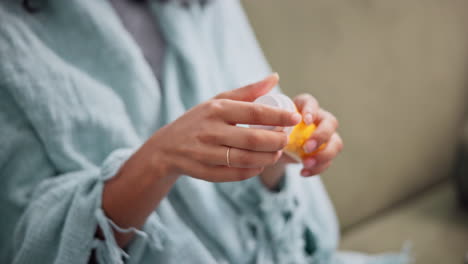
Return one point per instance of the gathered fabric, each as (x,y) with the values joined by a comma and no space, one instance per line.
(77,98)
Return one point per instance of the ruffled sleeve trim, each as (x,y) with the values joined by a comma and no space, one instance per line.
(154,232)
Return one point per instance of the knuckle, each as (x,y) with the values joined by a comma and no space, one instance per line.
(320,158)
(282,141)
(320,136)
(331,118)
(334,121)
(310,99)
(256,113)
(207,136)
(284,117)
(325,133)
(214,107)
(303,96)
(223,102)
(253,140)
(245,160)
(328,156)
(323,157)
(340,144)
(307,98)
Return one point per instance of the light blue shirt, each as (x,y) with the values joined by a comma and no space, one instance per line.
(77,98)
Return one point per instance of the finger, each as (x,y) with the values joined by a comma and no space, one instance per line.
(331,150)
(251,92)
(239,158)
(217,173)
(286,159)
(326,126)
(252,139)
(316,171)
(307,106)
(235,112)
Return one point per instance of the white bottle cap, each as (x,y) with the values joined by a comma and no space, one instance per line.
(279,101)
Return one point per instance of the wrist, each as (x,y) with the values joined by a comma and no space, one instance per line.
(162,167)
(136,190)
(272,176)
(156,165)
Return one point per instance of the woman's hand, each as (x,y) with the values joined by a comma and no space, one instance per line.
(325,132)
(196,144)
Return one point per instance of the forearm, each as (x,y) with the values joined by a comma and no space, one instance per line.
(130,197)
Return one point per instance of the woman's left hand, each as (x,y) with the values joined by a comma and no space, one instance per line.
(325,133)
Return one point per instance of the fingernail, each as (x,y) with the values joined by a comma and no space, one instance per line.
(273,75)
(305,173)
(310,146)
(308,118)
(310,163)
(296,117)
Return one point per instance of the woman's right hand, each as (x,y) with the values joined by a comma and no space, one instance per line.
(196,144)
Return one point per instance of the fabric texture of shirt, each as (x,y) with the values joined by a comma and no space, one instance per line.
(77,97)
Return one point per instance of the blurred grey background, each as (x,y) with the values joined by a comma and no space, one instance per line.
(395,74)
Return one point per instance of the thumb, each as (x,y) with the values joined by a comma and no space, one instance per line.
(251,92)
